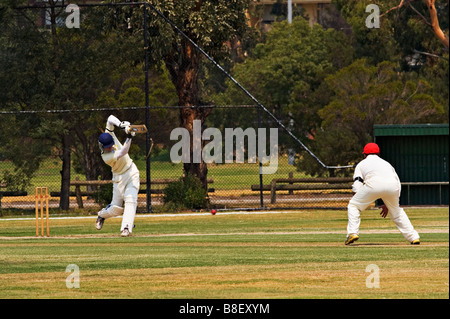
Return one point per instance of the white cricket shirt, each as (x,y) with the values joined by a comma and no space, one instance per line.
(373,169)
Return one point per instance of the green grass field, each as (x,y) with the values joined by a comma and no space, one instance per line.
(253,255)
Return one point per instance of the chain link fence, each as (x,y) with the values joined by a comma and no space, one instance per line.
(234,181)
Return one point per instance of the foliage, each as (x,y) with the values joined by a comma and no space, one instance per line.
(364,95)
(300,73)
(15,181)
(208,23)
(187,193)
(70,69)
(303,76)
(401,31)
(405,37)
(24,152)
(104,194)
(284,71)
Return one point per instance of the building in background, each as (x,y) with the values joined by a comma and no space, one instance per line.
(262,13)
(419,154)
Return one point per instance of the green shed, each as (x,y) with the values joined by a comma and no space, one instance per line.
(419,154)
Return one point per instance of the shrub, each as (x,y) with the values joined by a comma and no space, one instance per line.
(187,192)
(104,195)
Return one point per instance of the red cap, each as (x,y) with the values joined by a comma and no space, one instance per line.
(371,148)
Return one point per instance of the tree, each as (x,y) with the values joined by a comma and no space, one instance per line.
(210,24)
(284,73)
(64,71)
(434,17)
(401,31)
(364,95)
(20,139)
(82,68)
(407,37)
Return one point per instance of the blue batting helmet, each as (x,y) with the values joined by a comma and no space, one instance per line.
(106,140)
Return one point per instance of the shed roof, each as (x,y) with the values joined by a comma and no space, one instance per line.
(410,129)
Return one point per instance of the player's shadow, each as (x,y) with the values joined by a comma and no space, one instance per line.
(376,244)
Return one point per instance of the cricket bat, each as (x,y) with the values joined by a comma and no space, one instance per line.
(138,128)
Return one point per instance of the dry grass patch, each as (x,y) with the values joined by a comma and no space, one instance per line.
(299,280)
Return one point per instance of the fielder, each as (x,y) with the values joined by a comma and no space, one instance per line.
(125,176)
(375,178)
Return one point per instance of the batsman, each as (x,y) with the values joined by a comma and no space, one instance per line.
(125,176)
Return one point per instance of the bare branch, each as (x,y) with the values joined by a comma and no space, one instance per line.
(421,15)
(433,16)
(430,54)
(435,22)
(402,3)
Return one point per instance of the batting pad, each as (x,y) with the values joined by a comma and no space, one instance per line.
(111,211)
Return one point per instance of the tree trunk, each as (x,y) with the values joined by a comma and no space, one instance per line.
(185,77)
(435,22)
(91,162)
(65,172)
(187,117)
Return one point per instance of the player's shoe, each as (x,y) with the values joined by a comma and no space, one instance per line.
(125,232)
(99,223)
(351,239)
(415,242)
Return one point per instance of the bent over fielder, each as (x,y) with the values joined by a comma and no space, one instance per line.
(125,176)
(375,178)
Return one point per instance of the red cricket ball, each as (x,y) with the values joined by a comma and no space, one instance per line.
(213,211)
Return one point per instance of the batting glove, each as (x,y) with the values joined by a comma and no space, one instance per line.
(124,124)
(130,133)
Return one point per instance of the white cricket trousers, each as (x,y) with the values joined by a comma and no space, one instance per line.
(389,192)
(125,192)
